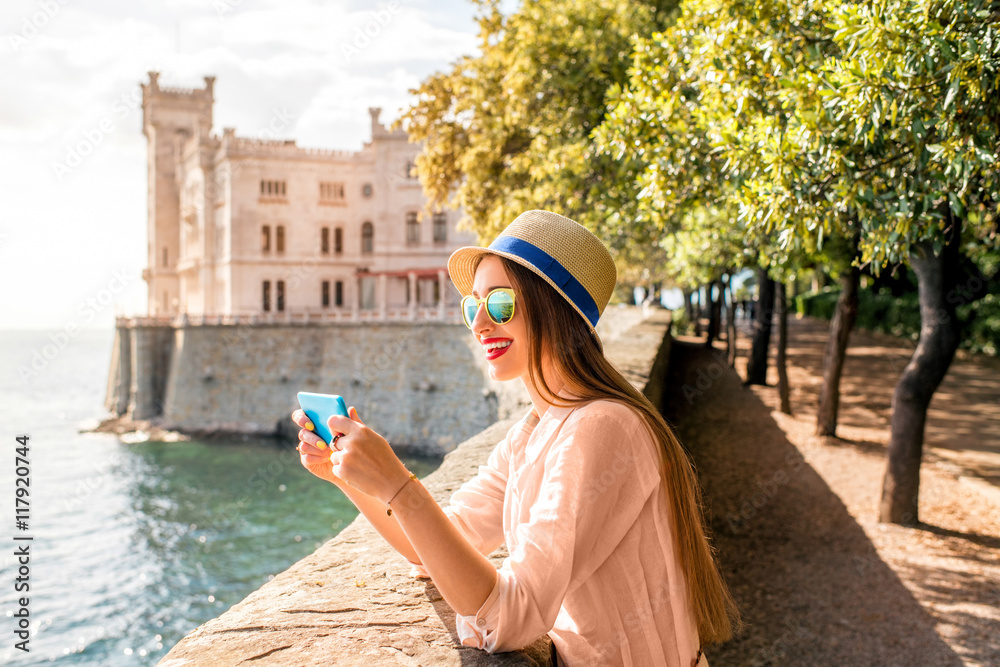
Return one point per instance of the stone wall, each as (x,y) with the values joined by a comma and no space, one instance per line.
(423,385)
(352,602)
(420,384)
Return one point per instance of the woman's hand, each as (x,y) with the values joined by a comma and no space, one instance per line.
(359,458)
(364,459)
(314,453)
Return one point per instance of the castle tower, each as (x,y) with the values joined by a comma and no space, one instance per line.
(170,117)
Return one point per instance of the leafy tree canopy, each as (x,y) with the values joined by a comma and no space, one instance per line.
(879,119)
(510,129)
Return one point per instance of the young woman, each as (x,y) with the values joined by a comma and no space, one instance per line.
(592,494)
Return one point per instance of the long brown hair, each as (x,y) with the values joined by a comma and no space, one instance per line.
(588,375)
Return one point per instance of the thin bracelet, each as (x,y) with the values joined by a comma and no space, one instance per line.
(388,510)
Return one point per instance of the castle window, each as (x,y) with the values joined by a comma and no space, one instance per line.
(338,240)
(273,189)
(324,240)
(265,238)
(366,294)
(410,169)
(279,297)
(279,238)
(164,257)
(412,228)
(326,294)
(440,227)
(331,192)
(339,293)
(266,296)
(367,238)
(366,190)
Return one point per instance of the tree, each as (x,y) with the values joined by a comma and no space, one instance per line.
(681,115)
(509,130)
(902,129)
(763,318)
(780,362)
(841,324)
(833,119)
(700,250)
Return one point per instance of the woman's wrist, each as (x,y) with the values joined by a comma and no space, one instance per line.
(410,497)
(388,507)
(399,479)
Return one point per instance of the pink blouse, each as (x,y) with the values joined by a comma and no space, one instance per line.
(578,498)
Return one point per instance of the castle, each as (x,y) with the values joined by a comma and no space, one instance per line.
(274,269)
(265,228)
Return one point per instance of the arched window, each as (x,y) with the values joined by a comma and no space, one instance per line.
(324,240)
(367,238)
(279,238)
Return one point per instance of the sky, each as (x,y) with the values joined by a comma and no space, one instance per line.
(72,153)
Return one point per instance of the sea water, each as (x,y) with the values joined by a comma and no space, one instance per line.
(135,545)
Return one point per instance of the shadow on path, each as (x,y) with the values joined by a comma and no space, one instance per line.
(963,421)
(811,586)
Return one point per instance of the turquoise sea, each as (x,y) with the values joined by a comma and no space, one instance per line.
(135,545)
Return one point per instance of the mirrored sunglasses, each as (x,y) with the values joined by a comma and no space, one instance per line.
(499,306)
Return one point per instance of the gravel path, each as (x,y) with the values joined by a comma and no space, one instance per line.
(820,582)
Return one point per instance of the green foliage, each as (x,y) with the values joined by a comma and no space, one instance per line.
(818,304)
(898,124)
(680,324)
(706,245)
(818,119)
(900,316)
(509,130)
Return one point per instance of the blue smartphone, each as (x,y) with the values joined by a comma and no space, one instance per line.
(319,408)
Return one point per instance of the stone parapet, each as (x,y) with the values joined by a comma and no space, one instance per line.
(353,601)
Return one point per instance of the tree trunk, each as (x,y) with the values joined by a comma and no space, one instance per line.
(689,305)
(782,311)
(940,334)
(714,310)
(836,351)
(717,306)
(697,312)
(757,364)
(731,325)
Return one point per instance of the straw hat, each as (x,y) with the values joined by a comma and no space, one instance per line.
(563,252)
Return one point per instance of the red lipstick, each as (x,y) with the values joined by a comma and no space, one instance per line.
(496,352)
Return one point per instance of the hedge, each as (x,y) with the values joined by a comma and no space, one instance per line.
(900,316)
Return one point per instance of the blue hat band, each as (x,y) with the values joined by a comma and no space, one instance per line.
(553,270)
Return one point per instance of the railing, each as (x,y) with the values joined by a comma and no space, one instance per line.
(450,315)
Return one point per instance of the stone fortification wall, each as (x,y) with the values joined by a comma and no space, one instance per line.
(423,385)
(353,602)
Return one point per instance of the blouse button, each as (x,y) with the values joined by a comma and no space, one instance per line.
(481,622)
